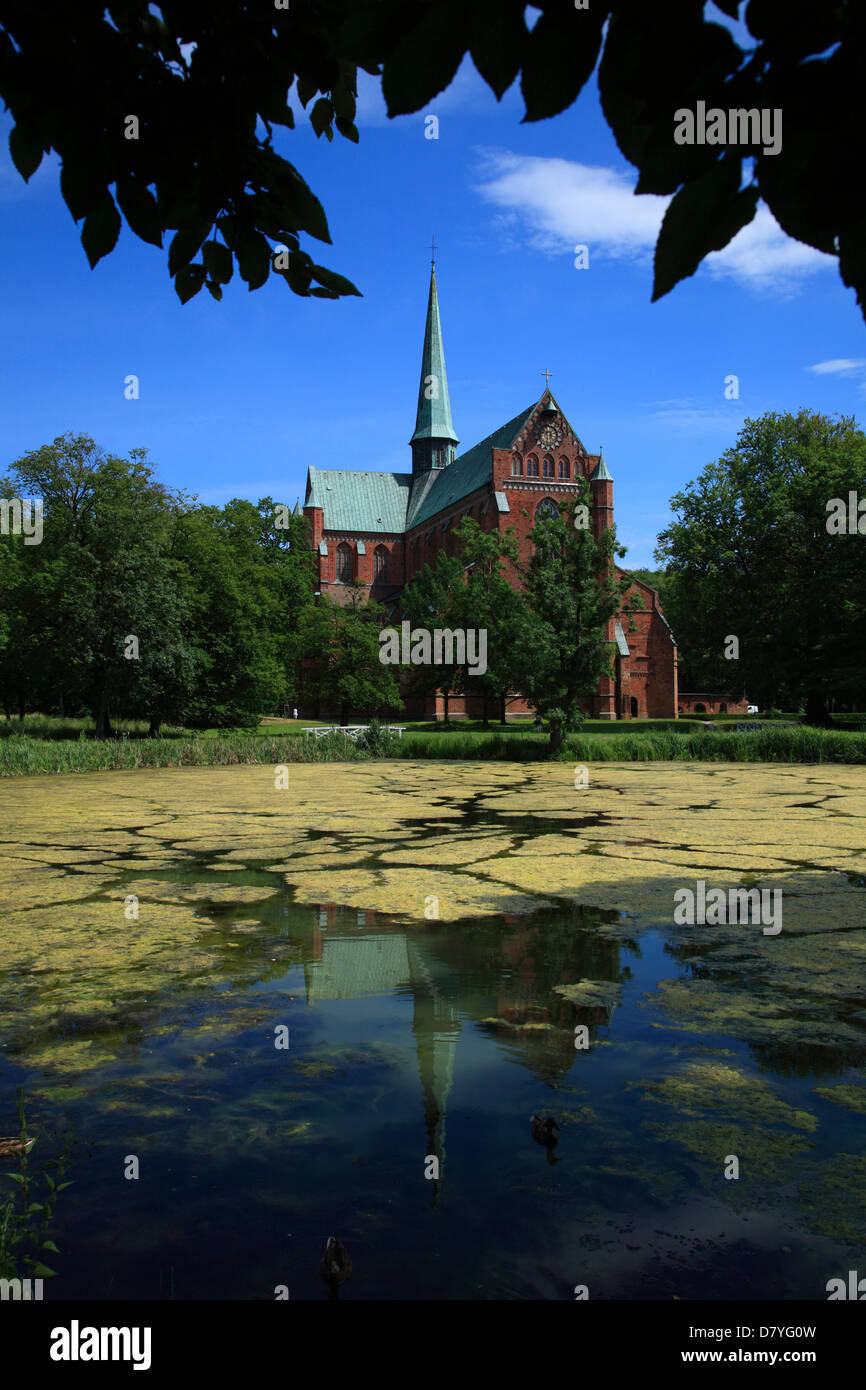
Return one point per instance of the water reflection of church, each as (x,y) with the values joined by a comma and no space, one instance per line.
(475,973)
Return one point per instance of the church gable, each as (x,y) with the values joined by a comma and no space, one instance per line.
(547,429)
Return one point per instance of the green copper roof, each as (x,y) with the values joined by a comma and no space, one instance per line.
(390,503)
(466,474)
(356,501)
(433,420)
(601,473)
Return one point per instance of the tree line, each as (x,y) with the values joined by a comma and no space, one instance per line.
(142,603)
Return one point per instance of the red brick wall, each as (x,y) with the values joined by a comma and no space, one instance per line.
(712,704)
(648,674)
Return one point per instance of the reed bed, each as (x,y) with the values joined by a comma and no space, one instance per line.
(24,755)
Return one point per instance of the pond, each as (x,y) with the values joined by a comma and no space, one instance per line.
(284,1002)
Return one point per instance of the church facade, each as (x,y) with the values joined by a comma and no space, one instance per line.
(382,528)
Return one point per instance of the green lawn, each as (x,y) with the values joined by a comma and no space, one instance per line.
(40,726)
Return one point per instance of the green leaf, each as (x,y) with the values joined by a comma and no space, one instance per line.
(345,93)
(16,1177)
(215,291)
(80,184)
(228,225)
(254,258)
(140,209)
(347,128)
(101,230)
(218,261)
(561,53)
(288,239)
(306,89)
(26,150)
(703,217)
(322,115)
(852,261)
(41,1271)
(187,282)
(655,62)
(332,281)
(61,1185)
(498,43)
(424,61)
(299,206)
(184,245)
(49,1245)
(299,272)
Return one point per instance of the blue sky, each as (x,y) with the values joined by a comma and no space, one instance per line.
(237,398)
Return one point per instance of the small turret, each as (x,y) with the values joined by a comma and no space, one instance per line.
(601,487)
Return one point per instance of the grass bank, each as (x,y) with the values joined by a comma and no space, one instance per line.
(792,745)
(24,755)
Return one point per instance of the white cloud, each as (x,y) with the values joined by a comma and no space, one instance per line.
(840,366)
(851,367)
(689,417)
(557,204)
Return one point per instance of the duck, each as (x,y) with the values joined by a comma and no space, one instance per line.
(542,1131)
(335,1265)
(13,1145)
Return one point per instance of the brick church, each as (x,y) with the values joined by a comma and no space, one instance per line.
(382,528)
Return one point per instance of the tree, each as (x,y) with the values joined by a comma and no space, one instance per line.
(434,599)
(489,603)
(339,648)
(572,592)
(140,602)
(208,84)
(182,135)
(103,594)
(750,546)
(248,581)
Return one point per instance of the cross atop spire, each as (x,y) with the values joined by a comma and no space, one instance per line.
(547,375)
(433,250)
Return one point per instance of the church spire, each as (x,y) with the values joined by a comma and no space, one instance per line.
(434,440)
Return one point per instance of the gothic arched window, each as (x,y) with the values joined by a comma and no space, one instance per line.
(547,468)
(516,466)
(564,470)
(345,566)
(380,565)
(546,508)
(532,467)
